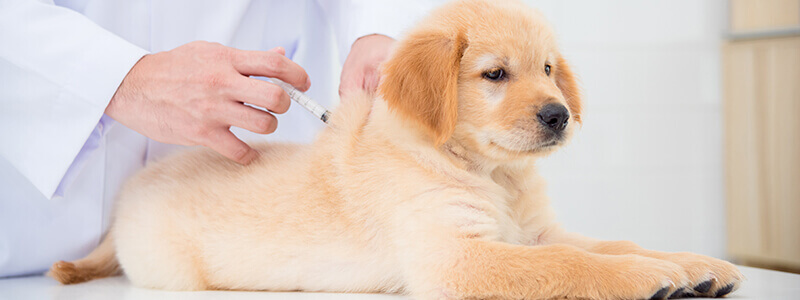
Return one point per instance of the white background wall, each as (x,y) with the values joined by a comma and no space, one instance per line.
(647,164)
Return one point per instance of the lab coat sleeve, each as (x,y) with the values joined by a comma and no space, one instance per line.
(58,71)
(352,19)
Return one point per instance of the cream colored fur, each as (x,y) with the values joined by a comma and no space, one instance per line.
(436,198)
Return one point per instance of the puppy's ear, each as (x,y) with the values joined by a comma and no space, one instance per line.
(566,82)
(420,81)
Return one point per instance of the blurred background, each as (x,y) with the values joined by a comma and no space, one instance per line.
(691,137)
(691,128)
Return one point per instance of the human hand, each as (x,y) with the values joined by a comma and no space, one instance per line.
(193,94)
(360,69)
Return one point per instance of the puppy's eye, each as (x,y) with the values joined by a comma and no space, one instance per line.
(547,69)
(494,75)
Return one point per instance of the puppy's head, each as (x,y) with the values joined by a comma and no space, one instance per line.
(487,75)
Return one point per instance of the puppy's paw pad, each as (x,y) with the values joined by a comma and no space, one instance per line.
(680,293)
(661,294)
(724,291)
(704,286)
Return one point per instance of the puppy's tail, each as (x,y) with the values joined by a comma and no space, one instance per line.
(102,262)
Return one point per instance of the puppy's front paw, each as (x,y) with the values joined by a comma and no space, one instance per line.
(708,276)
(638,277)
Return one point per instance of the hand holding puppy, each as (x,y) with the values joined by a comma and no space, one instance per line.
(193,94)
(360,69)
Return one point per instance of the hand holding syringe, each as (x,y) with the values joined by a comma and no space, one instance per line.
(304,100)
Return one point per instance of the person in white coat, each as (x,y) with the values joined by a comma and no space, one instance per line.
(92,90)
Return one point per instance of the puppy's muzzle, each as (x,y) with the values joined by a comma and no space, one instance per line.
(554,117)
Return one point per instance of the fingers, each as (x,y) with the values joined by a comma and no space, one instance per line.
(350,81)
(261,93)
(366,80)
(271,64)
(227,144)
(371,80)
(250,118)
(279,50)
(360,69)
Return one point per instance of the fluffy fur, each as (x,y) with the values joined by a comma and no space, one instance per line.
(428,188)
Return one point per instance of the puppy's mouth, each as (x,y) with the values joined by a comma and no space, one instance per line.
(543,146)
(546,146)
(552,143)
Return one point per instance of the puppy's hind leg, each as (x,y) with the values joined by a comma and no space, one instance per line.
(102,262)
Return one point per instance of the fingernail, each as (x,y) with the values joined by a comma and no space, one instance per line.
(308,83)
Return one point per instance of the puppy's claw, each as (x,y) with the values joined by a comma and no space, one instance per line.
(661,294)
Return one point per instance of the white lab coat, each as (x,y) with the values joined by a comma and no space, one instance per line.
(62,161)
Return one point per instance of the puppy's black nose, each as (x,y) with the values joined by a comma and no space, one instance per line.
(554,116)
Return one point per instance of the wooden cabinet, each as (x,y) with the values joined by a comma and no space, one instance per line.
(754,15)
(761,70)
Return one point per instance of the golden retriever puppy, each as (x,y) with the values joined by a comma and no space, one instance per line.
(428,188)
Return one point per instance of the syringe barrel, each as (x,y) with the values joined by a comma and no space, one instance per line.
(304,100)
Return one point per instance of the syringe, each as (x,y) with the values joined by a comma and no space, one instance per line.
(304,100)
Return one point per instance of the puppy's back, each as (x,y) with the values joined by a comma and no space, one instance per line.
(198,221)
